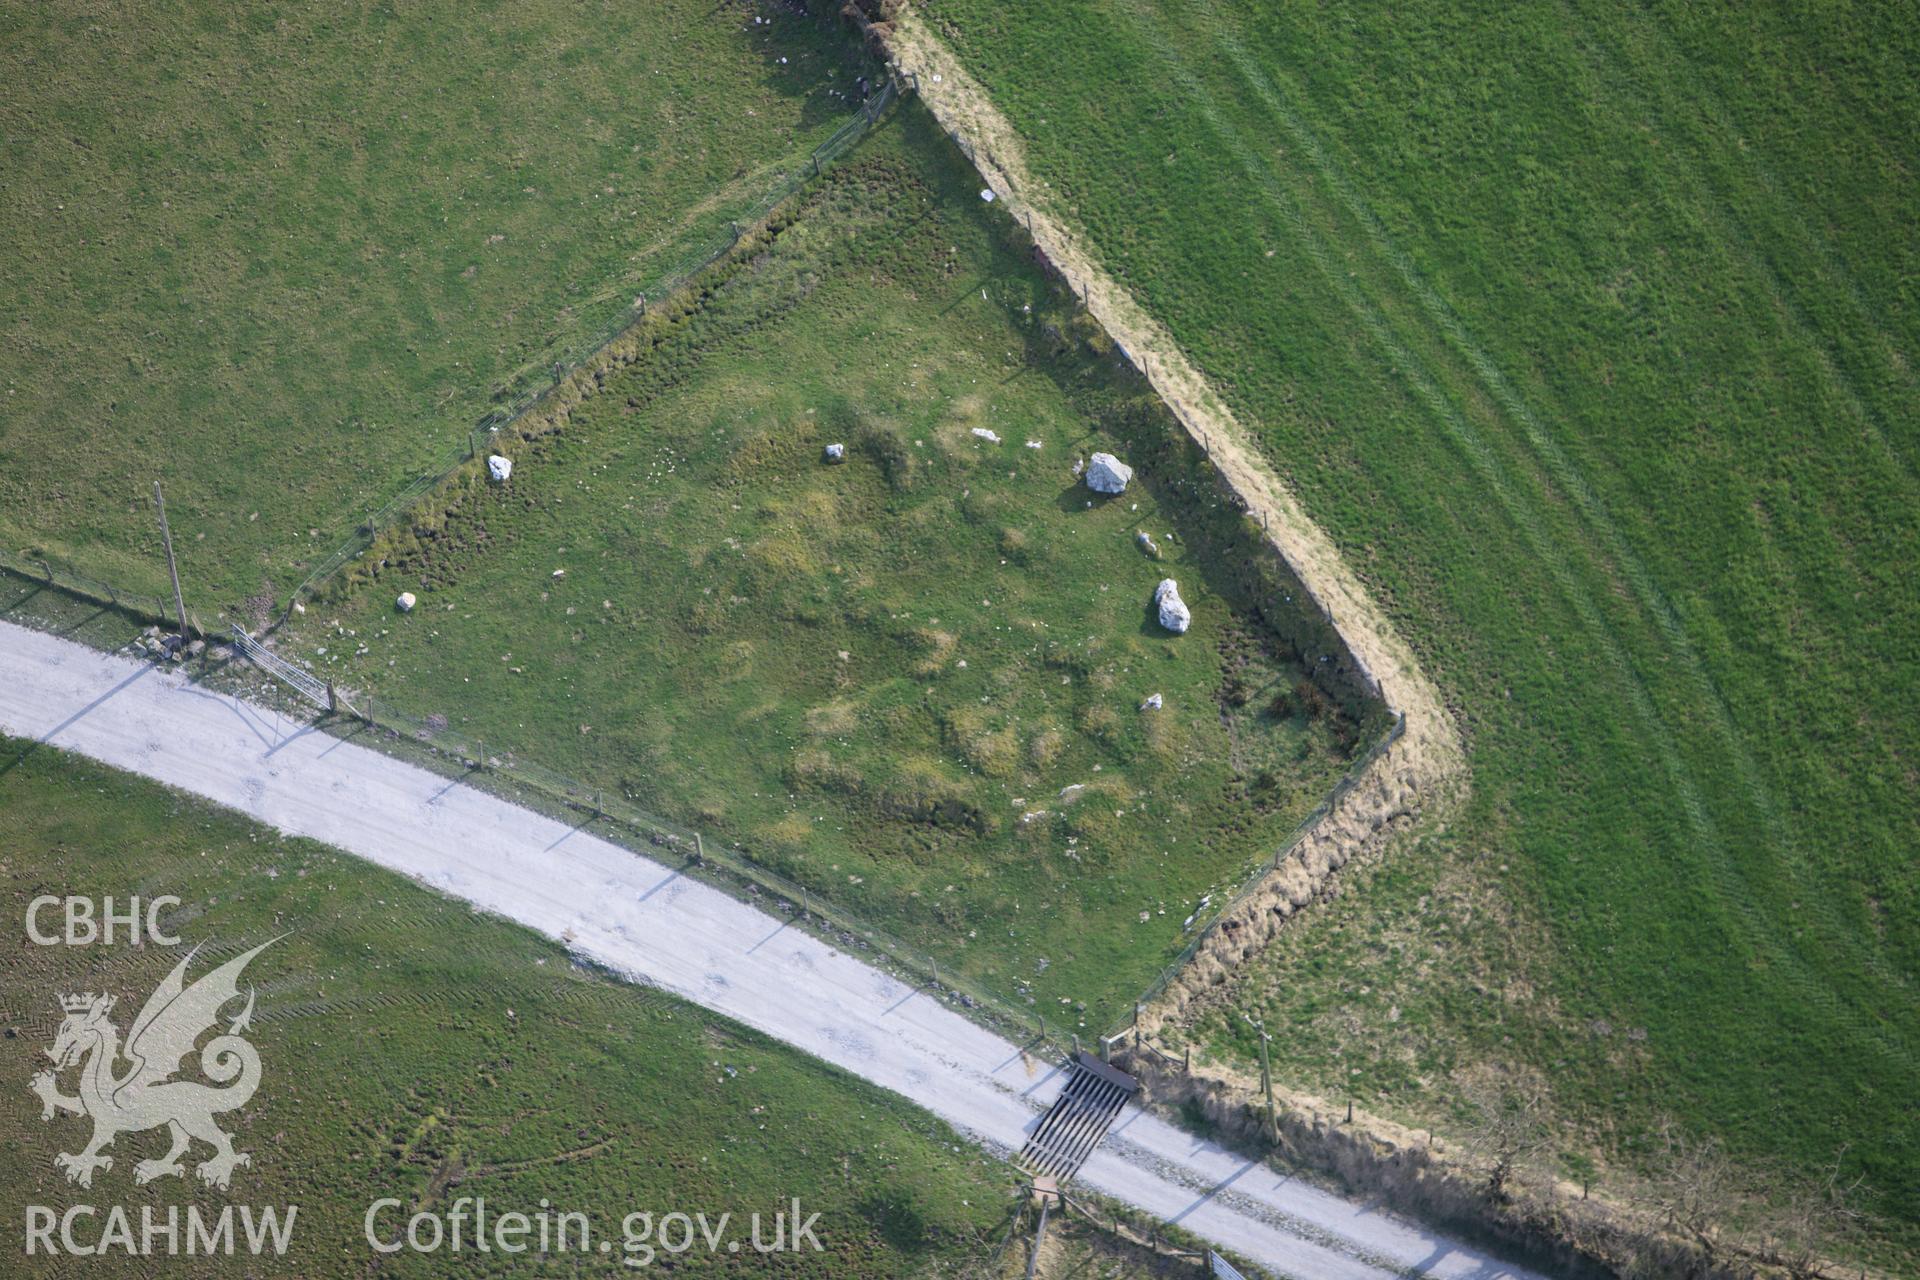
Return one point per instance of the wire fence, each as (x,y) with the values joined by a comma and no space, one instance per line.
(672,841)
(1348,780)
(525,399)
(659,838)
(1153,1235)
(153,608)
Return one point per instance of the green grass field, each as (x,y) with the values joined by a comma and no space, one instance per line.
(278,256)
(1588,333)
(414,1049)
(913,681)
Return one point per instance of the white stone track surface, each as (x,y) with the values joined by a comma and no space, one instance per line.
(653,924)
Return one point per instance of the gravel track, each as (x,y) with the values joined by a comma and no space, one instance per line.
(655,926)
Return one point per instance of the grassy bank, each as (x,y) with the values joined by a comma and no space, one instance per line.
(277,256)
(414,1050)
(914,681)
(1587,333)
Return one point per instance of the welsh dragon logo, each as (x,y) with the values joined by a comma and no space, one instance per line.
(145,1096)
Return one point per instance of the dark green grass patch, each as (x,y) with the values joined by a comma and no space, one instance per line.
(277,256)
(912,681)
(413,1049)
(1588,332)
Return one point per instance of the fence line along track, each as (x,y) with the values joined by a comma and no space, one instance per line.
(661,836)
(658,838)
(150,607)
(473,754)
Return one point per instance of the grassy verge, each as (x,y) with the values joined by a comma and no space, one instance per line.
(413,1049)
(278,256)
(1587,333)
(913,682)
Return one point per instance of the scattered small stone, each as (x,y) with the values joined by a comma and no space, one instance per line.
(499,468)
(1153,702)
(1147,544)
(1107,474)
(836,453)
(986,193)
(559,573)
(1033,444)
(990,437)
(196,648)
(1174,614)
(405,602)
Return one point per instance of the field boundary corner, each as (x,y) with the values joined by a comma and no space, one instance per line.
(1419,770)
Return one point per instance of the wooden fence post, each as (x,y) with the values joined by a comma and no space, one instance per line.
(1266,1087)
(173,569)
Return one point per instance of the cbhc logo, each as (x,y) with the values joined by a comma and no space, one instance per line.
(85,926)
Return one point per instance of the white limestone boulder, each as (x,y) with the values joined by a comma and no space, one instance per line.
(499,468)
(1174,614)
(1107,474)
